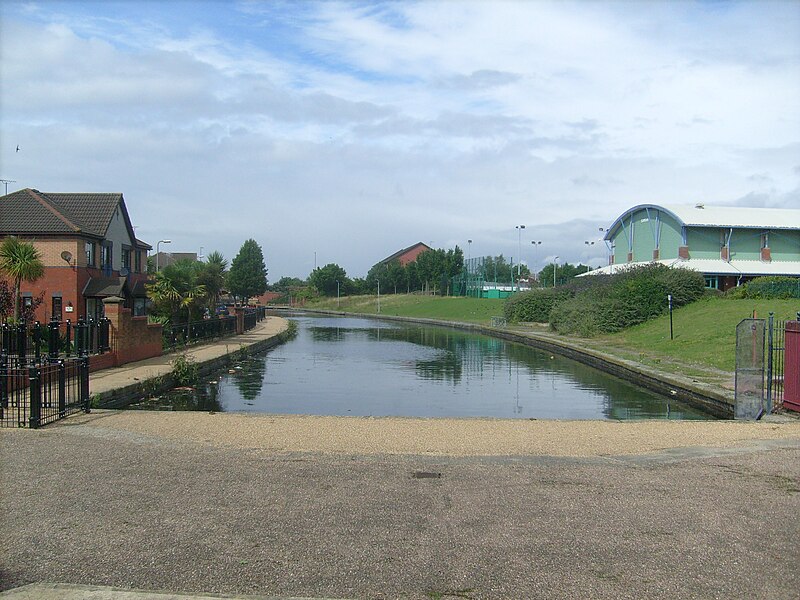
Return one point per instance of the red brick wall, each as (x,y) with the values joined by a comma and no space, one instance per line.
(70,281)
(411,255)
(133,338)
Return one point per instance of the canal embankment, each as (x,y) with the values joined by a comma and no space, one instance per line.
(118,386)
(713,399)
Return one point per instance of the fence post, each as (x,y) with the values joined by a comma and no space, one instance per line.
(69,338)
(37,341)
(22,342)
(80,335)
(35,388)
(3,380)
(62,389)
(5,342)
(53,338)
(770,334)
(84,377)
(103,335)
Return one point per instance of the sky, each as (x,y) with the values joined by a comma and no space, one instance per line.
(341,132)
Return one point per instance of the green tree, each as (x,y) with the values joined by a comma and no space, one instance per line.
(324,280)
(248,274)
(284,284)
(20,261)
(564,274)
(177,287)
(212,276)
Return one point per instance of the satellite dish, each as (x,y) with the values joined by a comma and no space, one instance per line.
(66,256)
(124,271)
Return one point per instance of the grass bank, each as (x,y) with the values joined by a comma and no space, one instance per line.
(704,331)
(467,310)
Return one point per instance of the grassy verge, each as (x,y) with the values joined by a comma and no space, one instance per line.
(468,310)
(704,332)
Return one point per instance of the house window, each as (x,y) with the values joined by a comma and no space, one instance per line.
(126,258)
(105,255)
(90,254)
(57,306)
(137,265)
(139,307)
(712,282)
(765,239)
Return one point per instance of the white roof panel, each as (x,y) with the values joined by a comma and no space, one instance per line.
(751,268)
(735,216)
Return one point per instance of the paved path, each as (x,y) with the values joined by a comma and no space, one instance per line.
(89,502)
(120,377)
(120,505)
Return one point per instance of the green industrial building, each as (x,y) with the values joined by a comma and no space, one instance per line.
(729,245)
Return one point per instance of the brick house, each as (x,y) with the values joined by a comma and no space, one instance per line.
(88,247)
(406,255)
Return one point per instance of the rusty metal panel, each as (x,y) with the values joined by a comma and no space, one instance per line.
(750,388)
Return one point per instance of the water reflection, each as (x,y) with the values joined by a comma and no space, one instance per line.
(351,366)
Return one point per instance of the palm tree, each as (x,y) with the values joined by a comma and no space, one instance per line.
(177,287)
(212,276)
(20,261)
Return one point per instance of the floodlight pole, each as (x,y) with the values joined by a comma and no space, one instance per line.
(555,267)
(519,229)
(157,251)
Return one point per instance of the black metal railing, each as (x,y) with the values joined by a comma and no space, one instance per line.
(195,332)
(35,341)
(776,357)
(35,395)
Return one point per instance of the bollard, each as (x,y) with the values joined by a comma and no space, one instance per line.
(35,387)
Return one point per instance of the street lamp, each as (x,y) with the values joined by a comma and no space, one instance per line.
(555,267)
(157,251)
(535,243)
(519,229)
(469,249)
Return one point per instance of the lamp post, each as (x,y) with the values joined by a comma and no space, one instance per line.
(469,249)
(555,268)
(337,293)
(519,229)
(157,250)
(534,244)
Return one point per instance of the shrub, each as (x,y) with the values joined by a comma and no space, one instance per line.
(184,370)
(534,305)
(768,288)
(626,299)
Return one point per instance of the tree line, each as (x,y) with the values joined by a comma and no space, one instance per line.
(431,272)
(187,289)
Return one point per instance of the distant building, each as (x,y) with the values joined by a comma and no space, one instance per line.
(728,245)
(406,255)
(164,259)
(88,247)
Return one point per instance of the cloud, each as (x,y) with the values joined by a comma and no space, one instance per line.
(356,129)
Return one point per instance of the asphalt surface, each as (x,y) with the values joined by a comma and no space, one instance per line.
(87,505)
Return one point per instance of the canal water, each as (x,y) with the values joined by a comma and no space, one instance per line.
(365,367)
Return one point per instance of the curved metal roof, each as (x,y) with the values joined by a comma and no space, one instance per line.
(701,215)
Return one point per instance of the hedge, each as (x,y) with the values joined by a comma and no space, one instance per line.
(604,304)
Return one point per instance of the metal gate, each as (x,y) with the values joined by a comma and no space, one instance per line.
(749,391)
(32,395)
